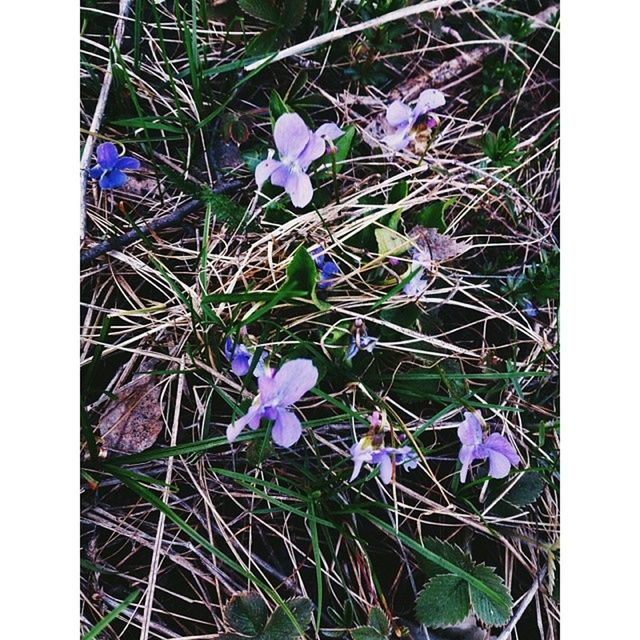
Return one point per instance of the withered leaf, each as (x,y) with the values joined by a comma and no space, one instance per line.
(438,246)
(132,422)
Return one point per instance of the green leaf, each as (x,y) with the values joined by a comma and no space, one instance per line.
(378,620)
(451,552)
(246,613)
(433,215)
(277,107)
(262,9)
(281,627)
(258,451)
(443,602)
(366,633)
(527,490)
(302,273)
(264,43)
(292,12)
(490,611)
(343,144)
(391,243)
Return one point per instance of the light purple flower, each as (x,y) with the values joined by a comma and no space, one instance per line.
(405,120)
(417,285)
(297,148)
(240,358)
(477,446)
(360,343)
(365,451)
(109,169)
(278,390)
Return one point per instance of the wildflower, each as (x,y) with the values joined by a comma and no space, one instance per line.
(529,308)
(360,340)
(297,148)
(477,446)
(110,166)
(328,268)
(240,358)
(416,286)
(382,457)
(412,124)
(278,390)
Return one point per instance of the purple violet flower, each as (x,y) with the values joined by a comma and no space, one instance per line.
(477,446)
(240,358)
(277,391)
(109,169)
(383,457)
(327,267)
(297,148)
(408,122)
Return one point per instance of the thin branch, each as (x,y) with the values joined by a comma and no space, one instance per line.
(163,222)
(98,114)
(451,69)
(399,14)
(506,632)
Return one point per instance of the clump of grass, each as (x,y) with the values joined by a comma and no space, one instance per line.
(171,533)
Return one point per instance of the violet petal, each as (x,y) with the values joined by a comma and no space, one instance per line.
(291,135)
(287,429)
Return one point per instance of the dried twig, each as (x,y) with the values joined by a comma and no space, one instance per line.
(399,14)
(163,222)
(87,152)
(451,69)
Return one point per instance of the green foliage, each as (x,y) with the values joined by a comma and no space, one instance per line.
(247,616)
(500,148)
(343,144)
(501,76)
(277,107)
(224,208)
(433,214)
(489,611)
(283,13)
(446,599)
(538,282)
(376,629)
(302,275)
(527,490)
(443,602)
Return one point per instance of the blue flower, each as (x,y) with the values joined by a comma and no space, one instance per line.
(529,308)
(240,358)
(328,269)
(109,169)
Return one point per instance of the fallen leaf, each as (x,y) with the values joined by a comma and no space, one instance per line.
(438,246)
(132,422)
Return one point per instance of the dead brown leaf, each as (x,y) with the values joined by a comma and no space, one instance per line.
(437,246)
(133,422)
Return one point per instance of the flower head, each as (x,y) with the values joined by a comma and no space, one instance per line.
(297,148)
(327,268)
(411,124)
(277,391)
(477,446)
(371,450)
(360,340)
(109,169)
(240,358)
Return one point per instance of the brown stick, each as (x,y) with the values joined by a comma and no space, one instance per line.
(453,68)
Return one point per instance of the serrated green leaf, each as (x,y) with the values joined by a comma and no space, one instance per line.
(262,9)
(281,627)
(378,620)
(246,613)
(229,636)
(488,611)
(451,552)
(366,633)
(264,43)
(443,602)
(292,12)
(527,490)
